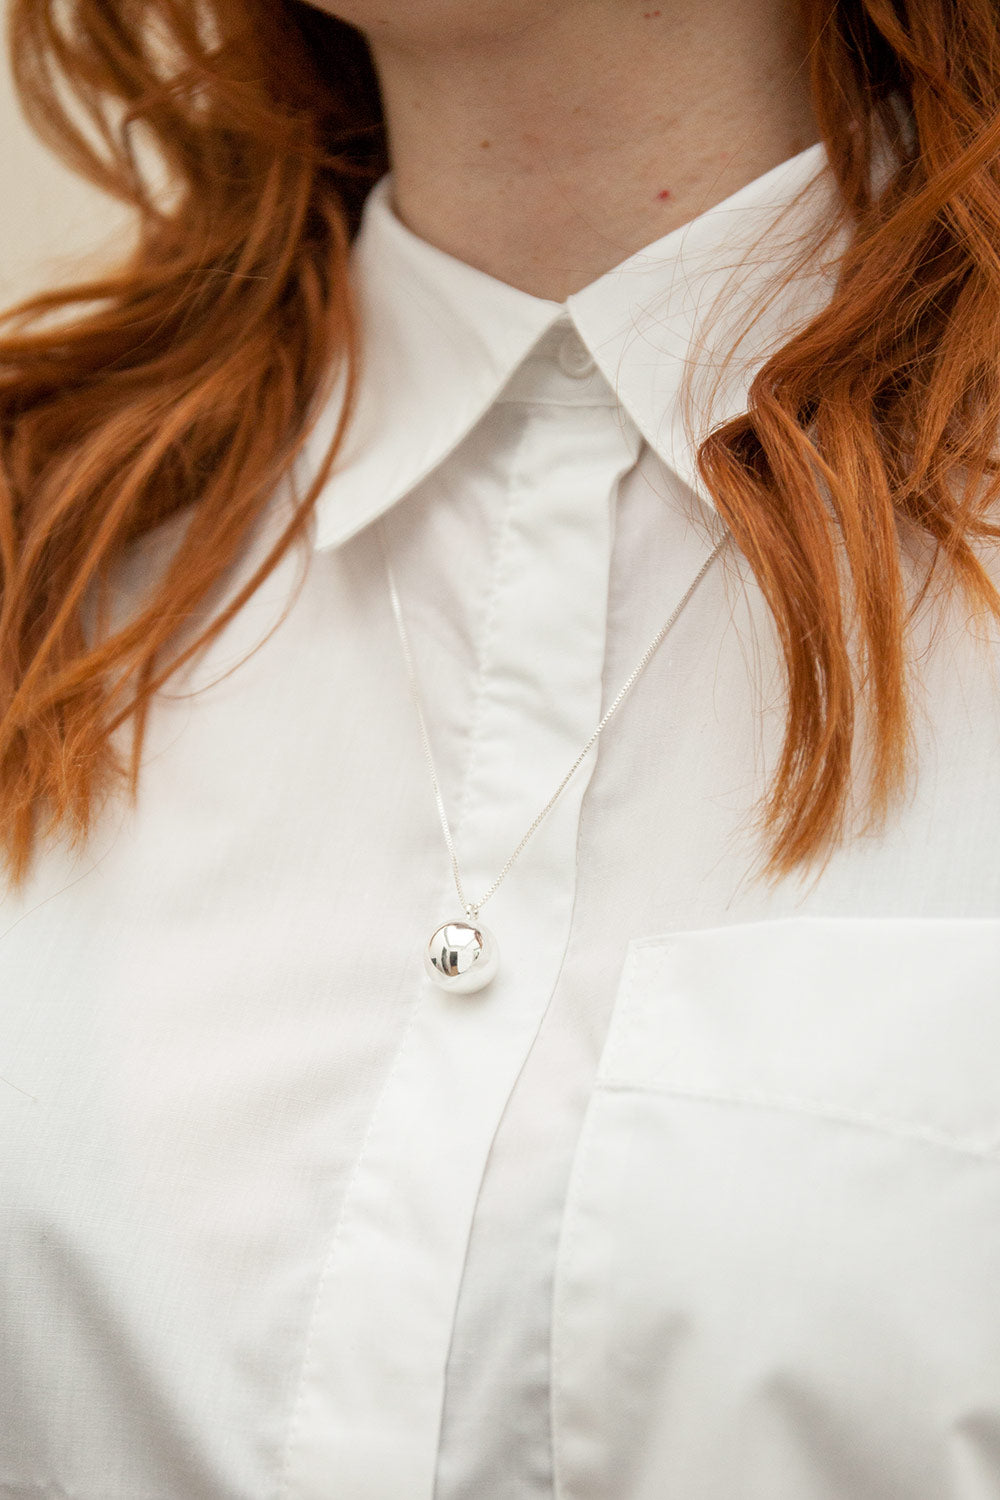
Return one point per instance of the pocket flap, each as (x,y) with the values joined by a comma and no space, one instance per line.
(893,1021)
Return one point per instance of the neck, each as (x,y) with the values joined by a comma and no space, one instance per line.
(546,155)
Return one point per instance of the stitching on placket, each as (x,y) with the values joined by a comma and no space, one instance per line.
(480,694)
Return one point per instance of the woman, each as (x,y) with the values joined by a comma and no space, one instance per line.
(664,359)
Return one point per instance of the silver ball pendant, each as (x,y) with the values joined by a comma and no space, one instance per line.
(462,956)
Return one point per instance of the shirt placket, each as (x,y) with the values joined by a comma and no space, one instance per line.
(367,1416)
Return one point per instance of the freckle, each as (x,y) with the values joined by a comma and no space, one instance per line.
(663,194)
(484,145)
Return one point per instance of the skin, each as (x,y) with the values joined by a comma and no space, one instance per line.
(544,141)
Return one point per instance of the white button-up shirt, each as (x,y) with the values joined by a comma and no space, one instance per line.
(701,1197)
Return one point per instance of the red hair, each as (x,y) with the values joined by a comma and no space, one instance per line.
(189,377)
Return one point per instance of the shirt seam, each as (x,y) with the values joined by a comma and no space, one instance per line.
(789,1104)
(481,694)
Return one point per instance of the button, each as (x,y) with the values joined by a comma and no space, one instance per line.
(574,357)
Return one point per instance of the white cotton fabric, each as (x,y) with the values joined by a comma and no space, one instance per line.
(701,1197)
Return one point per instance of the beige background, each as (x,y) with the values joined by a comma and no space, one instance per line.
(48,217)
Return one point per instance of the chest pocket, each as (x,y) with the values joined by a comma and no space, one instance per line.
(779,1269)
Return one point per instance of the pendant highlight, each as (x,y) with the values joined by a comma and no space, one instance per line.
(462,956)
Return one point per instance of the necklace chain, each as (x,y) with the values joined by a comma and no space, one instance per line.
(472,908)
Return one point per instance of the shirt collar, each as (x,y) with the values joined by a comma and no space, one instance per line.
(440,339)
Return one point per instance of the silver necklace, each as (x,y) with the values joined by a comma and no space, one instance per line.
(462,954)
